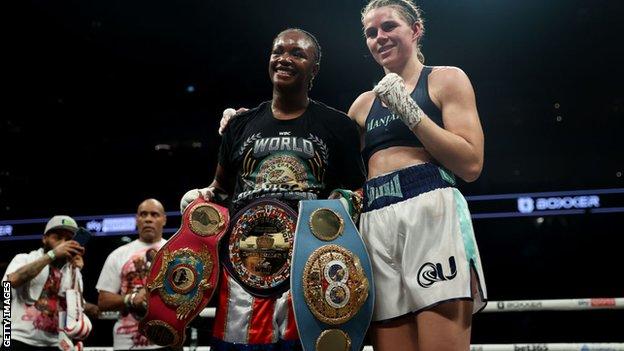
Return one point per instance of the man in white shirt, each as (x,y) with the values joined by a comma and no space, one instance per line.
(37,289)
(122,280)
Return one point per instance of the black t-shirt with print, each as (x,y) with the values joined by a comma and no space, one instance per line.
(303,158)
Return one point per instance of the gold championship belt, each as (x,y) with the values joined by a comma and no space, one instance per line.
(258,248)
(184,273)
(331,279)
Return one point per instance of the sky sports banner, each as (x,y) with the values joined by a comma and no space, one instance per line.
(575,202)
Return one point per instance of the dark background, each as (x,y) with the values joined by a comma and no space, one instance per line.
(92,87)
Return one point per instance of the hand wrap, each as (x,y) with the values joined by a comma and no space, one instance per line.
(391,91)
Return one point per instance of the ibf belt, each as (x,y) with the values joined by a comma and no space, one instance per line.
(258,248)
(184,273)
(331,279)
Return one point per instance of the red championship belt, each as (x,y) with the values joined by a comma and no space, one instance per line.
(184,273)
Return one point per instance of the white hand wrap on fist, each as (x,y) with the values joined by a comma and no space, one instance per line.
(191,195)
(391,91)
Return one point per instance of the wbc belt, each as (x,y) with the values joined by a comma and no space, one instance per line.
(184,273)
(257,250)
(331,279)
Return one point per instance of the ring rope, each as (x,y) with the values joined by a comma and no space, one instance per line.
(609,303)
(547,347)
(613,303)
(488,347)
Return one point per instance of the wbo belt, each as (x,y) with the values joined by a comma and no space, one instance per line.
(184,273)
(331,279)
(258,248)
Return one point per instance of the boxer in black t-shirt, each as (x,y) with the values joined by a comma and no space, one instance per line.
(290,148)
(301,158)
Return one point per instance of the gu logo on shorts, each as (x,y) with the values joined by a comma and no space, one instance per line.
(430,273)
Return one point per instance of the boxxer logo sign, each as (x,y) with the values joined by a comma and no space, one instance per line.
(430,273)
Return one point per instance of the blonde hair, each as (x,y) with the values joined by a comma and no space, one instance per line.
(410,13)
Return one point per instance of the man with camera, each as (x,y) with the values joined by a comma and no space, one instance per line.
(43,282)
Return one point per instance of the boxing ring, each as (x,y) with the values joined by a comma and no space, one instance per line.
(593,203)
(579,305)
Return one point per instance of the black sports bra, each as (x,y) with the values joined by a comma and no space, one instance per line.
(385,129)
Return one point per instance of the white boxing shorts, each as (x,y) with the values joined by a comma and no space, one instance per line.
(418,231)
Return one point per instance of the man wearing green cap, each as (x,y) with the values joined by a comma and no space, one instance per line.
(36,280)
